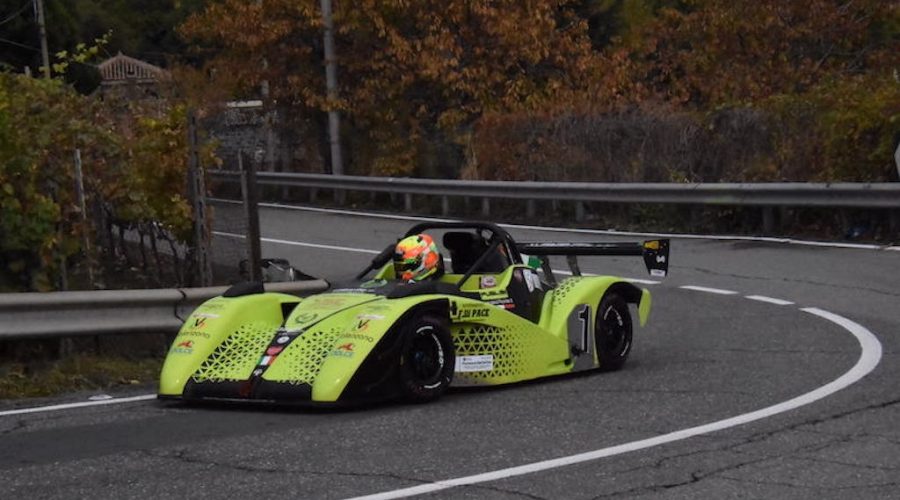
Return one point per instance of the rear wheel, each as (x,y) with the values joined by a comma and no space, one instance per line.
(426,360)
(613,332)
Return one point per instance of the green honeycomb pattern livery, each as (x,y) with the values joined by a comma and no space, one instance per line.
(236,357)
(561,291)
(514,348)
(301,361)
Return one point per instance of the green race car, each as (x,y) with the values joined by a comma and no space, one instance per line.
(498,316)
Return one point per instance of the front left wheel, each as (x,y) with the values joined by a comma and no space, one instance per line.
(426,360)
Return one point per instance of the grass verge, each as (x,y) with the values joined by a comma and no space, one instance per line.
(75,373)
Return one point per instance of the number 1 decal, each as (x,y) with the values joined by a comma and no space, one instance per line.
(585,316)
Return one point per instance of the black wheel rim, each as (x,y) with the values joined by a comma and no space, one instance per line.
(613,332)
(425,356)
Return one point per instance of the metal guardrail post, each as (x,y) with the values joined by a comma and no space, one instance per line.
(579,211)
(768,217)
(445,205)
(407,202)
(485,207)
(531,208)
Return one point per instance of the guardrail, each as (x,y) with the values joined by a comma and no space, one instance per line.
(65,314)
(766,195)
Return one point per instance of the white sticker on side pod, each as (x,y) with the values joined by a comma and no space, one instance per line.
(474,363)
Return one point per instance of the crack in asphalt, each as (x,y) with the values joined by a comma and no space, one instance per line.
(810,486)
(20,424)
(181,456)
(700,475)
(848,464)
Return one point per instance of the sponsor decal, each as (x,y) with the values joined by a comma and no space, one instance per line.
(506,303)
(357,336)
(194,333)
(482,363)
(481,312)
(369,316)
(257,372)
(362,325)
(488,281)
(660,259)
(266,360)
(216,304)
(205,315)
(659,273)
(283,339)
(493,294)
(328,301)
(184,347)
(468,312)
(199,322)
(532,280)
(305,318)
(343,351)
(274,350)
(651,245)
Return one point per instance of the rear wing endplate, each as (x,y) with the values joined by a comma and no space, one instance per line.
(654,252)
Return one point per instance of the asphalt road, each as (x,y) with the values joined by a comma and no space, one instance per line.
(704,357)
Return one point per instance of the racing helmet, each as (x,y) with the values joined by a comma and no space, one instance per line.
(417,257)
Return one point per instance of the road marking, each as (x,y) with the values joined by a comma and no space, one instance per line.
(67,406)
(717,291)
(869,358)
(608,232)
(363,250)
(299,243)
(769,300)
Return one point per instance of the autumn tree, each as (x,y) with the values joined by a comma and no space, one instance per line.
(415,75)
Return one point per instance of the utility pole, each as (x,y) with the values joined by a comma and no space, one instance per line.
(45,55)
(334,119)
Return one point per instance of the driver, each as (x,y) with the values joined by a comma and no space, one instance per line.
(417,258)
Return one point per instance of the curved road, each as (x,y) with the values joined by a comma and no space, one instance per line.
(704,357)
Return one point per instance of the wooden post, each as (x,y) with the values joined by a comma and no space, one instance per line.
(197,193)
(82,206)
(250,198)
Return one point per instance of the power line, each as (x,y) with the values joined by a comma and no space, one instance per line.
(16,14)
(17,44)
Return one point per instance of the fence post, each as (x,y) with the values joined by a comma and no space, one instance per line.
(197,194)
(250,197)
(82,206)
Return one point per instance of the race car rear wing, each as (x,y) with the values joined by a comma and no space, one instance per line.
(654,252)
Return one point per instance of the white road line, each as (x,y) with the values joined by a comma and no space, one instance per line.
(868,360)
(717,291)
(363,250)
(609,232)
(300,243)
(67,406)
(769,300)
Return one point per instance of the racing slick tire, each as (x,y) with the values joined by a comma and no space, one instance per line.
(427,359)
(612,332)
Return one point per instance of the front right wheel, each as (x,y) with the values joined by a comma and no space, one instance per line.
(612,332)
(426,360)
